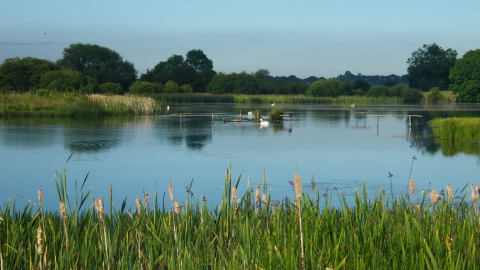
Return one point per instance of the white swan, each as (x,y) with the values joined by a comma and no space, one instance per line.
(168,107)
(263,122)
(250,113)
(352,106)
(273,104)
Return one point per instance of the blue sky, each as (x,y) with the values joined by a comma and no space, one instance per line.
(302,38)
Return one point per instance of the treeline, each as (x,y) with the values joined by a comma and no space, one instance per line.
(86,68)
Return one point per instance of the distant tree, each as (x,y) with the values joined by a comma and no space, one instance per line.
(111,88)
(429,67)
(67,80)
(196,70)
(435,95)
(23,74)
(261,74)
(361,84)
(465,77)
(326,88)
(100,63)
(171,87)
(221,83)
(142,87)
(377,91)
(186,88)
(245,84)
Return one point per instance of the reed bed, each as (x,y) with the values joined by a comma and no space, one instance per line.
(127,104)
(456,128)
(249,231)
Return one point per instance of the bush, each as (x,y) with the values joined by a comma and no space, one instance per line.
(377,91)
(111,88)
(435,95)
(275,114)
(142,87)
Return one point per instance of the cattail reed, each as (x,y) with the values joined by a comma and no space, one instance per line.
(264,199)
(298,193)
(449,191)
(40,197)
(434,197)
(411,184)
(63,211)
(146,199)
(99,207)
(177,207)
(39,245)
(234,194)
(138,204)
(257,195)
(170,192)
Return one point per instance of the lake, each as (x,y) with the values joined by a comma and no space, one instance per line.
(331,145)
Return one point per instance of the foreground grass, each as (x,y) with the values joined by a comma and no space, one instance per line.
(76,105)
(245,232)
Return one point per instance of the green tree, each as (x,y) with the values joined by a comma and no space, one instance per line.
(435,95)
(100,63)
(221,83)
(377,91)
(186,88)
(23,74)
(429,67)
(111,88)
(465,77)
(142,87)
(361,84)
(67,80)
(326,88)
(171,87)
(261,74)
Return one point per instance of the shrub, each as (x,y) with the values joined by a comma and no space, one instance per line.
(111,88)
(275,114)
(435,95)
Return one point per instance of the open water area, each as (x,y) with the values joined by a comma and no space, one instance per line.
(337,147)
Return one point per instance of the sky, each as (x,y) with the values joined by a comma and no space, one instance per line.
(301,38)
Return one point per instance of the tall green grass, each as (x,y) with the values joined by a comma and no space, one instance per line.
(456,128)
(245,231)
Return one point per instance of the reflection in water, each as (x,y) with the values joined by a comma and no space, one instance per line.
(91,146)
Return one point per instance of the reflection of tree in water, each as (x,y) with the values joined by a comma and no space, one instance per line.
(197,141)
(91,145)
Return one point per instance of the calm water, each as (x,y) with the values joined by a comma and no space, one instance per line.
(329,144)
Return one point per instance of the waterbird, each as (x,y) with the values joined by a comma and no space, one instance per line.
(263,122)
(352,106)
(390,174)
(168,107)
(273,104)
(250,113)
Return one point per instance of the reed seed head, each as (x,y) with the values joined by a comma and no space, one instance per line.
(63,211)
(298,186)
(99,207)
(434,196)
(234,194)
(40,197)
(264,199)
(177,207)
(257,195)
(39,241)
(412,186)
(170,191)
(146,198)
(449,191)
(423,192)
(138,204)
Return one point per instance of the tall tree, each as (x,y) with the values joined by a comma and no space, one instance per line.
(23,74)
(429,67)
(100,63)
(465,77)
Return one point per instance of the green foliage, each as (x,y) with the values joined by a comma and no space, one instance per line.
(377,91)
(361,84)
(67,80)
(326,88)
(456,128)
(465,77)
(275,114)
(23,74)
(171,87)
(100,63)
(142,87)
(429,67)
(186,88)
(261,74)
(435,95)
(111,88)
